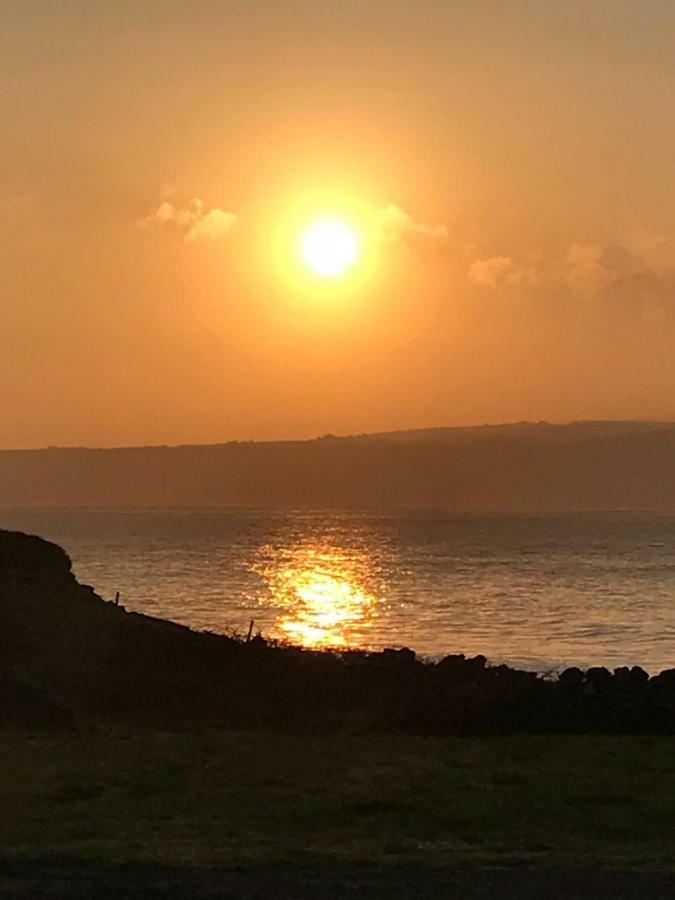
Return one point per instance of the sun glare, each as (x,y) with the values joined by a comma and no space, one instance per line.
(321,593)
(329,247)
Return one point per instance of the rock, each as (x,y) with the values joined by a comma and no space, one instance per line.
(571,679)
(638,676)
(598,681)
(452,662)
(402,657)
(622,677)
(664,682)
(476,663)
(626,679)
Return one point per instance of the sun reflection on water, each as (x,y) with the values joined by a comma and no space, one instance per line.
(322,594)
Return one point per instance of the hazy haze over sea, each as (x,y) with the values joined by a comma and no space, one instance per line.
(535,590)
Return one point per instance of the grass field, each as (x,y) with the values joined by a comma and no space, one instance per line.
(224,799)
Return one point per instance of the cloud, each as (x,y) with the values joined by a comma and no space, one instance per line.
(500,271)
(193,219)
(214,224)
(633,277)
(585,270)
(640,265)
(394,225)
(653,249)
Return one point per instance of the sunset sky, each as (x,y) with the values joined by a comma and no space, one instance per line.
(506,167)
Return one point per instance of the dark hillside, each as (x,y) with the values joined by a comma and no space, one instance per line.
(528,467)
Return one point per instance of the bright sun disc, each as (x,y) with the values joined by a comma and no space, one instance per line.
(329,247)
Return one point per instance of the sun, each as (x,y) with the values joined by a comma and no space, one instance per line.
(329,247)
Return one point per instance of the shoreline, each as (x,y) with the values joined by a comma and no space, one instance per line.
(216,571)
(70,659)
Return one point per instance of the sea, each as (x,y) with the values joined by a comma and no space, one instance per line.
(537,591)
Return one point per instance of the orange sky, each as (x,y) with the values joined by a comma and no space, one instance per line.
(518,158)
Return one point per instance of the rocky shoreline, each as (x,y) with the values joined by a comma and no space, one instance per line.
(69,659)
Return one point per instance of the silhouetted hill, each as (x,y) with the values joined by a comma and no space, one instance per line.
(68,658)
(524,466)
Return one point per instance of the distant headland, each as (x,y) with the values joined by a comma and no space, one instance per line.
(517,467)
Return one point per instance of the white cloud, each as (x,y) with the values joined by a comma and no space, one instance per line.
(393,225)
(214,224)
(194,219)
(500,271)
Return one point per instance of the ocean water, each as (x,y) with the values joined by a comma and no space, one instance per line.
(539,591)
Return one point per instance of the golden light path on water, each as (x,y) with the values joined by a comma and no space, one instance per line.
(322,594)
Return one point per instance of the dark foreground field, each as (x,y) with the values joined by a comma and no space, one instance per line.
(251,815)
(141,759)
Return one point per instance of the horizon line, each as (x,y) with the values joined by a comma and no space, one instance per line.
(529,423)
